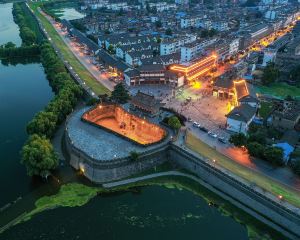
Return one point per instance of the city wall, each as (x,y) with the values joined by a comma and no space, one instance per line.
(238,192)
(106,171)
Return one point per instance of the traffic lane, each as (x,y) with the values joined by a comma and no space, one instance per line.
(281,174)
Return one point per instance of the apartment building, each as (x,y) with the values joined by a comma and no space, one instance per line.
(192,50)
(172,45)
(187,22)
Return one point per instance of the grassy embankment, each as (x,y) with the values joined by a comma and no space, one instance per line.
(264,182)
(83,73)
(280,90)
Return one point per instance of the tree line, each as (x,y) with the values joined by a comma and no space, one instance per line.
(9,50)
(256,144)
(38,154)
(27,35)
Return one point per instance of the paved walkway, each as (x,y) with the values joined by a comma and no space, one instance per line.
(150,176)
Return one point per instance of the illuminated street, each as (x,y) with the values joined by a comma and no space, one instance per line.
(84,59)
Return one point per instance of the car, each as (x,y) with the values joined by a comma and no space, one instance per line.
(189,119)
(210,133)
(195,124)
(222,140)
(203,129)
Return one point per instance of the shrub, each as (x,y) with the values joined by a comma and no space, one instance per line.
(238,139)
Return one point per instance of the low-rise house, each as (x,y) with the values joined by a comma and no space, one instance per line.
(117,6)
(146,103)
(206,24)
(152,74)
(239,119)
(250,100)
(190,21)
(135,58)
(289,58)
(270,52)
(234,45)
(122,50)
(124,39)
(162,6)
(220,26)
(287,115)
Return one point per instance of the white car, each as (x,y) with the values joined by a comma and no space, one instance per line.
(210,133)
(195,124)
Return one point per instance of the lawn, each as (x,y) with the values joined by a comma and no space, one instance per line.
(265,109)
(83,73)
(250,175)
(280,90)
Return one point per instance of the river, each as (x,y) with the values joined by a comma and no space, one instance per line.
(24,90)
(153,212)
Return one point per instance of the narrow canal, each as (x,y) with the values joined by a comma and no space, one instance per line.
(152,212)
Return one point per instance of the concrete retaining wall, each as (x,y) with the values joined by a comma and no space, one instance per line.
(257,205)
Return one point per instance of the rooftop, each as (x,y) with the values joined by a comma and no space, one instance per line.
(242,113)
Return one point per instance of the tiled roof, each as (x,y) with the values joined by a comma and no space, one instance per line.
(242,113)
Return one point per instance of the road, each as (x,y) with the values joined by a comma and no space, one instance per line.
(85,60)
(280,174)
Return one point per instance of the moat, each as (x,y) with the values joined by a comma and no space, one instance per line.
(150,212)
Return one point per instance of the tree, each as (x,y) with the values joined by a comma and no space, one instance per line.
(10,45)
(158,24)
(111,49)
(169,32)
(44,123)
(204,33)
(120,94)
(174,123)
(238,139)
(259,137)
(148,8)
(274,155)
(212,32)
(270,74)
(256,149)
(295,75)
(38,156)
(155,53)
(296,167)
(134,155)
